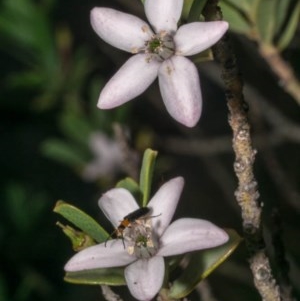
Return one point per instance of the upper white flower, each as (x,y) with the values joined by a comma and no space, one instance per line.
(143,258)
(158,52)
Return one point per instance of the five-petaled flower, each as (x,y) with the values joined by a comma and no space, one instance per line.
(159,52)
(147,243)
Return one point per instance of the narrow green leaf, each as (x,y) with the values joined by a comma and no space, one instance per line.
(237,21)
(75,126)
(111,276)
(266,20)
(18,21)
(63,152)
(187,4)
(282,13)
(24,79)
(290,28)
(196,10)
(201,264)
(147,174)
(79,239)
(132,186)
(241,5)
(81,220)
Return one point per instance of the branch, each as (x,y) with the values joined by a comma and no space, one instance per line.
(247,193)
(283,71)
(283,130)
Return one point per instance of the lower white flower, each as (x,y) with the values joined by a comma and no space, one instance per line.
(148,241)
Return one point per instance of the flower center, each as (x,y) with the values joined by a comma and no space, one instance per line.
(141,239)
(161,46)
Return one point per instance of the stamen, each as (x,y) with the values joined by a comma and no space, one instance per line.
(141,239)
(160,47)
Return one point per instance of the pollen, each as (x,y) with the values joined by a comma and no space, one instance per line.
(145,28)
(141,240)
(169,70)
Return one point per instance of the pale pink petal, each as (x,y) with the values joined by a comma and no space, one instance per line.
(145,277)
(164,203)
(132,79)
(163,14)
(195,37)
(190,234)
(99,256)
(119,29)
(108,157)
(180,89)
(116,204)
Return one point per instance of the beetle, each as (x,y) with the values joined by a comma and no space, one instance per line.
(127,221)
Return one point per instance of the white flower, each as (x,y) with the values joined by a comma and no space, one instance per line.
(144,253)
(108,157)
(157,53)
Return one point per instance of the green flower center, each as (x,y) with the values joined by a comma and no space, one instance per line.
(154,45)
(161,46)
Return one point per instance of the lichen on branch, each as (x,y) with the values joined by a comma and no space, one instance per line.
(247,194)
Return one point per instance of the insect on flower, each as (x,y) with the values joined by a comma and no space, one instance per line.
(127,221)
(144,266)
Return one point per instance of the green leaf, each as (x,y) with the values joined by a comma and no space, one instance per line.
(290,28)
(266,20)
(132,186)
(241,5)
(201,264)
(82,66)
(24,79)
(75,126)
(147,174)
(111,276)
(81,220)
(24,208)
(282,13)
(63,152)
(79,239)
(18,25)
(196,10)
(187,4)
(237,20)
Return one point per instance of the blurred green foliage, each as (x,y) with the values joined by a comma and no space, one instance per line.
(270,22)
